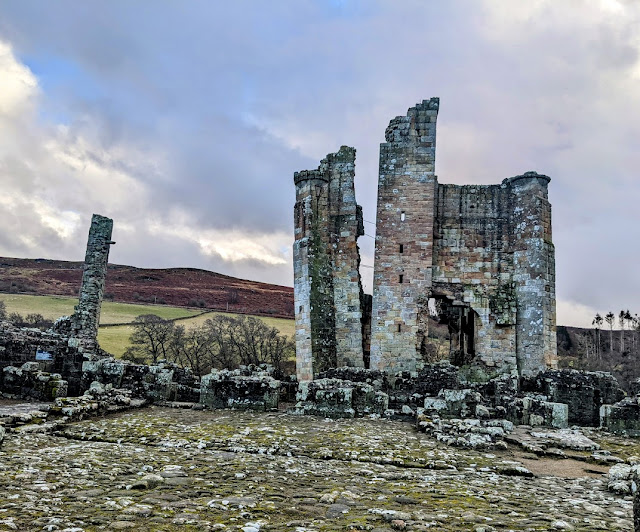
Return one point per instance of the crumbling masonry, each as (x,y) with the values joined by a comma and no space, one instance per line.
(86,316)
(328,290)
(481,257)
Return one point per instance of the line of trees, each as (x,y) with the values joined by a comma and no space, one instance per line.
(612,344)
(220,342)
(629,331)
(34,319)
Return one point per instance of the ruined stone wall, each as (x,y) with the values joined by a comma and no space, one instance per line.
(404,236)
(327,287)
(473,265)
(346,227)
(20,345)
(484,252)
(86,316)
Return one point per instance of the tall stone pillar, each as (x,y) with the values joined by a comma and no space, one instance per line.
(326,260)
(533,274)
(313,287)
(347,223)
(86,316)
(407,190)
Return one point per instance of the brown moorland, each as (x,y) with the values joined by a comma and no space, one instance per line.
(180,287)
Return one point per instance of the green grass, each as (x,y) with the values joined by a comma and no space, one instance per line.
(115,340)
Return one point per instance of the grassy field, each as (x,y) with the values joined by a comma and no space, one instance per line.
(115,340)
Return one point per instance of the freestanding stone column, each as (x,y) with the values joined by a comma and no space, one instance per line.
(86,316)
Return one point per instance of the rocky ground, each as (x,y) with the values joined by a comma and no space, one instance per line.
(172,469)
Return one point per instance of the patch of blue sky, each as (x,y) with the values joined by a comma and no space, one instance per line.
(347,8)
(61,82)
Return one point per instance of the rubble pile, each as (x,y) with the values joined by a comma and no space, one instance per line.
(97,400)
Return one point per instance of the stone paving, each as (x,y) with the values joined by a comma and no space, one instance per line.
(168,469)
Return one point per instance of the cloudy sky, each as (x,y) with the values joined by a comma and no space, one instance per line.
(184,121)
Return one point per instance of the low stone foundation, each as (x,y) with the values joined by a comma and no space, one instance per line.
(622,417)
(29,382)
(243,389)
(336,398)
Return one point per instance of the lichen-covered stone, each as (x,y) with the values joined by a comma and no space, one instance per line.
(484,252)
(377,379)
(86,316)
(454,403)
(583,391)
(622,417)
(335,398)
(327,287)
(233,389)
(536,411)
(29,382)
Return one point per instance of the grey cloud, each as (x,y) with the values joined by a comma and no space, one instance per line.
(236,96)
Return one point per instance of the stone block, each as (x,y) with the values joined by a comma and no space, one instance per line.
(231,389)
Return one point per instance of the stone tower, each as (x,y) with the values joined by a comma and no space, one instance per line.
(480,257)
(327,285)
(86,316)
(405,219)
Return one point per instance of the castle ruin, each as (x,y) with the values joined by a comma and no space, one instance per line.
(480,257)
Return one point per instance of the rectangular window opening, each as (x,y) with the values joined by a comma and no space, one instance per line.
(401,279)
(399,327)
(402,216)
(401,248)
(301,308)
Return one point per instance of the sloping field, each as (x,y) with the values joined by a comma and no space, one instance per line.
(115,340)
(175,287)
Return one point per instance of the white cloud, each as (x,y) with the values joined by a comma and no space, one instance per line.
(230,245)
(18,86)
(574,314)
(54,177)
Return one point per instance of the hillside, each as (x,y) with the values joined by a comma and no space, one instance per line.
(177,287)
(586,349)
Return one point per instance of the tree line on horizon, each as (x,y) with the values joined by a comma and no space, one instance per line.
(612,344)
(626,321)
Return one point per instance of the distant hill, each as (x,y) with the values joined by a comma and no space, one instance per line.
(180,287)
(190,287)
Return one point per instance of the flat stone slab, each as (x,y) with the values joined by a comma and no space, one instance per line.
(9,407)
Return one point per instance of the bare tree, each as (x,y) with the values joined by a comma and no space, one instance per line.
(246,340)
(610,319)
(597,323)
(191,348)
(150,338)
(622,322)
